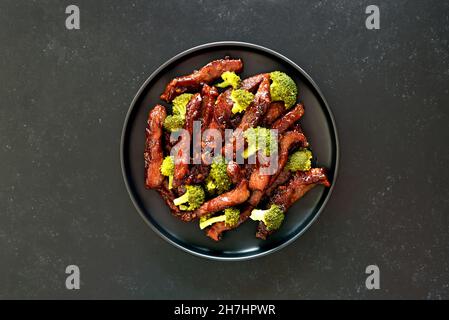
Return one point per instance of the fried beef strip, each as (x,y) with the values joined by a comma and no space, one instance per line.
(181,161)
(193,112)
(197,174)
(286,195)
(153,153)
(234,172)
(251,83)
(209,95)
(168,197)
(275,110)
(228,199)
(206,74)
(222,109)
(282,178)
(215,232)
(287,120)
(258,107)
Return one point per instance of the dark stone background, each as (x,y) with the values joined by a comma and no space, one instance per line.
(64,95)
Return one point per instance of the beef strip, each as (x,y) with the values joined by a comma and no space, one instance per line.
(252,83)
(206,74)
(286,195)
(287,120)
(258,107)
(181,162)
(193,112)
(197,174)
(168,197)
(234,172)
(216,230)
(222,109)
(275,110)
(153,154)
(228,199)
(209,95)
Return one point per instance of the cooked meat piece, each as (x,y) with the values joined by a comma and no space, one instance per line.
(258,107)
(288,141)
(282,178)
(251,83)
(235,120)
(193,112)
(258,181)
(234,172)
(215,232)
(153,153)
(168,197)
(286,195)
(221,202)
(206,74)
(222,109)
(275,110)
(289,193)
(197,174)
(181,161)
(208,143)
(209,95)
(287,120)
(166,142)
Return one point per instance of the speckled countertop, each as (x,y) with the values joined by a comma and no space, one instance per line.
(64,95)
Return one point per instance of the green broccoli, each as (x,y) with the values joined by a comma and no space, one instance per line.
(283,88)
(229,79)
(241,99)
(259,139)
(210,185)
(299,160)
(272,218)
(218,179)
(176,121)
(173,123)
(230,217)
(168,169)
(180,104)
(194,196)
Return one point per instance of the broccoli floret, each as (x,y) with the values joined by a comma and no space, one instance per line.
(272,218)
(300,160)
(210,185)
(180,103)
(241,99)
(218,179)
(194,197)
(229,79)
(168,169)
(283,88)
(230,217)
(173,123)
(176,121)
(259,139)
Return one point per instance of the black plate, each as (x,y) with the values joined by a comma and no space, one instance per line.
(318,124)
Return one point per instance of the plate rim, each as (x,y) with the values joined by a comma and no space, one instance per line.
(234,44)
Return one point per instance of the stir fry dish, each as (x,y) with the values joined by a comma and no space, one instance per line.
(224,150)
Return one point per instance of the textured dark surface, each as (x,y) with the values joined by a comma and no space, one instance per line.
(64,95)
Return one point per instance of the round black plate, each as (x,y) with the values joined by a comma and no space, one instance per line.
(318,125)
